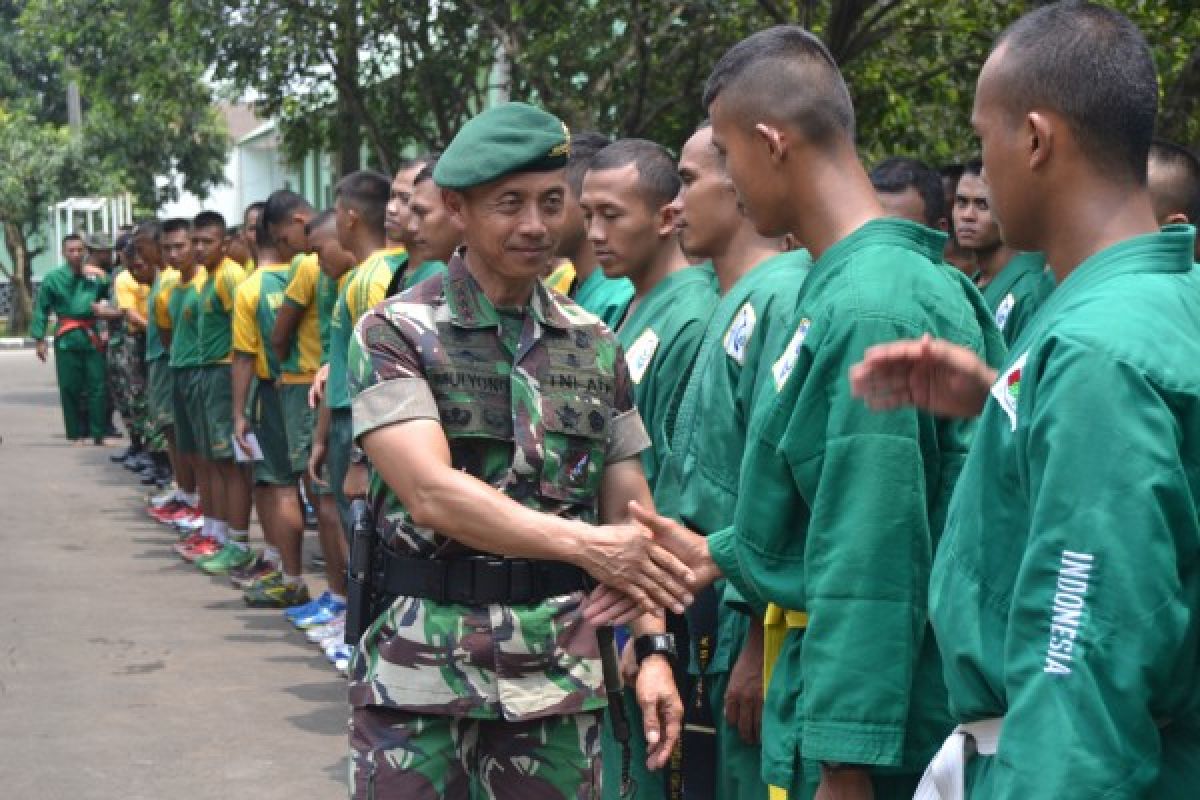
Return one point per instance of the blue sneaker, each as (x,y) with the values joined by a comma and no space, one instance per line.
(309,608)
(339,652)
(322,616)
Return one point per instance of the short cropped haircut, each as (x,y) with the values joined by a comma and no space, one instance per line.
(786,74)
(972,166)
(209,219)
(176,224)
(1091,65)
(658,178)
(899,174)
(71,237)
(257,205)
(1181,190)
(148,229)
(279,206)
(428,164)
(367,192)
(584,146)
(322,219)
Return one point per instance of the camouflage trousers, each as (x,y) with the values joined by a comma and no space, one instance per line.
(114,376)
(128,373)
(399,755)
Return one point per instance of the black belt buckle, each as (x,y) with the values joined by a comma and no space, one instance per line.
(490,581)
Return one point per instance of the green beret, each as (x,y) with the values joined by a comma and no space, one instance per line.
(514,137)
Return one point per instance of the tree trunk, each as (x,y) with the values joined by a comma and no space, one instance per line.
(348,125)
(21,301)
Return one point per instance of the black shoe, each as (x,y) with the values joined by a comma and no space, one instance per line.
(113,433)
(149,477)
(142,461)
(117,458)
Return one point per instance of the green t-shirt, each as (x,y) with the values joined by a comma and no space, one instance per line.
(661,338)
(365,287)
(184,309)
(840,509)
(1064,595)
(216,310)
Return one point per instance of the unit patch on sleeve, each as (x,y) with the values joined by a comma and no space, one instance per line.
(737,338)
(1007,390)
(791,354)
(1004,310)
(640,354)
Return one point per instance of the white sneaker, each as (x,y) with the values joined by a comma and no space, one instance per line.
(160,500)
(320,634)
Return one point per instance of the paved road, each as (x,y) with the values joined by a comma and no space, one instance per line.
(124,673)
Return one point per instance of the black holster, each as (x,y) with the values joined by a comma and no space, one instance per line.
(363,600)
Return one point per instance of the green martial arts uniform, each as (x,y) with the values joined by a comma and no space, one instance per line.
(698,482)
(1065,596)
(840,511)
(1016,293)
(605,297)
(78,362)
(661,338)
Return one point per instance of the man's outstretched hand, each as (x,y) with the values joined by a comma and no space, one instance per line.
(931,374)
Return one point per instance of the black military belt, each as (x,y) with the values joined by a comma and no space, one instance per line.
(477,581)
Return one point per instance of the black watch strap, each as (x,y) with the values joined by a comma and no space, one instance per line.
(652,644)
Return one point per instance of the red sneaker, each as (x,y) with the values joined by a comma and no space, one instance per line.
(185,513)
(165,510)
(205,547)
(186,544)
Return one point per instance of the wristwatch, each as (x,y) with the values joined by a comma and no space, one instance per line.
(654,644)
(357,456)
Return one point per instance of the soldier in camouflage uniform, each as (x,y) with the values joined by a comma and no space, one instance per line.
(499,423)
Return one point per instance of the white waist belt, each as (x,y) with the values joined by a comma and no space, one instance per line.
(943,779)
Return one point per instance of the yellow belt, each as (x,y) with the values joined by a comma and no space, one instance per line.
(776,624)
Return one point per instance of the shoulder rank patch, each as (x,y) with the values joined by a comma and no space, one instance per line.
(737,338)
(1004,310)
(787,362)
(1007,389)
(641,352)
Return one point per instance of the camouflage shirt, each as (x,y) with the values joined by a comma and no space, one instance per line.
(534,402)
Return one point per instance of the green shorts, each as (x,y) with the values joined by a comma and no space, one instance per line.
(337,456)
(184,405)
(216,387)
(298,420)
(401,754)
(275,468)
(159,403)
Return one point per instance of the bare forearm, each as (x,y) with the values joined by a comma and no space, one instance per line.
(285,328)
(471,512)
(241,374)
(321,433)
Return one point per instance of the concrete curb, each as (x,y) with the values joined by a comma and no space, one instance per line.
(19,343)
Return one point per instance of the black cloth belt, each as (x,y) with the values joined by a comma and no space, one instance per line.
(480,580)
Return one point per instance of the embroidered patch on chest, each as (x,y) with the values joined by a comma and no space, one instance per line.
(737,338)
(1007,390)
(1004,310)
(787,362)
(640,354)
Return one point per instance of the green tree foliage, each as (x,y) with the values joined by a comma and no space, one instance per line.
(147,112)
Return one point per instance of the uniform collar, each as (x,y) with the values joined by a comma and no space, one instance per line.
(470,308)
(1021,264)
(882,231)
(1168,250)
